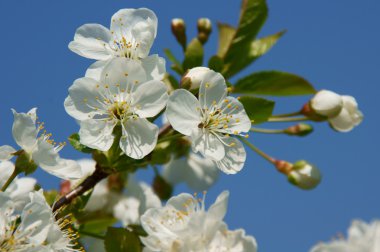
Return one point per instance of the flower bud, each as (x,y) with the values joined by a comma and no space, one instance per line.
(326,103)
(349,117)
(204,29)
(193,78)
(304,175)
(301,129)
(179,31)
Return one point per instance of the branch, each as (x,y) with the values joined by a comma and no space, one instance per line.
(86,185)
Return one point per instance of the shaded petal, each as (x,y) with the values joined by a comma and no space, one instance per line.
(219,209)
(326,103)
(6,205)
(6,152)
(127,210)
(95,70)
(139,137)
(207,144)
(239,120)
(65,169)
(213,89)
(235,156)
(182,111)
(6,170)
(82,101)
(154,66)
(96,134)
(92,41)
(123,74)
(45,154)
(136,26)
(99,197)
(24,129)
(203,173)
(175,171)
(20,191)
(149,98)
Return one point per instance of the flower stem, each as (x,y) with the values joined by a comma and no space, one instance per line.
(268,131)
(97,236)
(9,181)
(167,138)
(287,114)
(287,119)
(257,150)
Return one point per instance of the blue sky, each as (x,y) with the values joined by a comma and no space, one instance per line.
(333,44)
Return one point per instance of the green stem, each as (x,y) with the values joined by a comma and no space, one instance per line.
(287,114)
(167,138)
(268,131)
(9,181)
(257,150)
(97,236)
(288,119)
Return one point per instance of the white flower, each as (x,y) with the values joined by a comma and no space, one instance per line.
(138,198)
(349,117)
(35,229)
(39,146)
(123,97)
(362,237)
(194,77)
(210,120)
(305,175)
(131,36)
(183,224)
(342,110)
(19,189)
(197,172)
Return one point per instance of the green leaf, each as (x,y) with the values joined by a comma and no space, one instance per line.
(193,55)
(215,63)
(75,142)
(176,66)
(226,34)
(258,109)
(258,48)
(252,17)
(121,240)
(274,83)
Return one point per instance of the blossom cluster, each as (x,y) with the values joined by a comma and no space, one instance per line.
(116,105)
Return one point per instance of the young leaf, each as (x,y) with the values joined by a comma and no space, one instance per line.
(226,34)
(258,48)
(193,55)
(252,17)
(258,109)
(74,140)
(121,240)
(274,83)
(215,63)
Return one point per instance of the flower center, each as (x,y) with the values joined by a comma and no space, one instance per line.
(125,48)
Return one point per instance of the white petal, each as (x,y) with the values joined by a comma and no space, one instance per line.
(154,66)
(182,111)
(326,103)
(24,130)
(349,117)
(196,75)
(213,89)
(6,170)
(235,157)
(203,173)
(219,209)
(65,169)
(182,202)
(136,25)
(96,134)
(175,171)
(149,98)
(239,120)
(92,41)
(207,144)
(95,70)
(6,152)
(139,138)
(87,166)
(123,73)
(81,102)
(45,154)
(99,197)
(21,190)
(127,210)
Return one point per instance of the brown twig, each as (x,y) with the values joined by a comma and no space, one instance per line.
(86,185)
